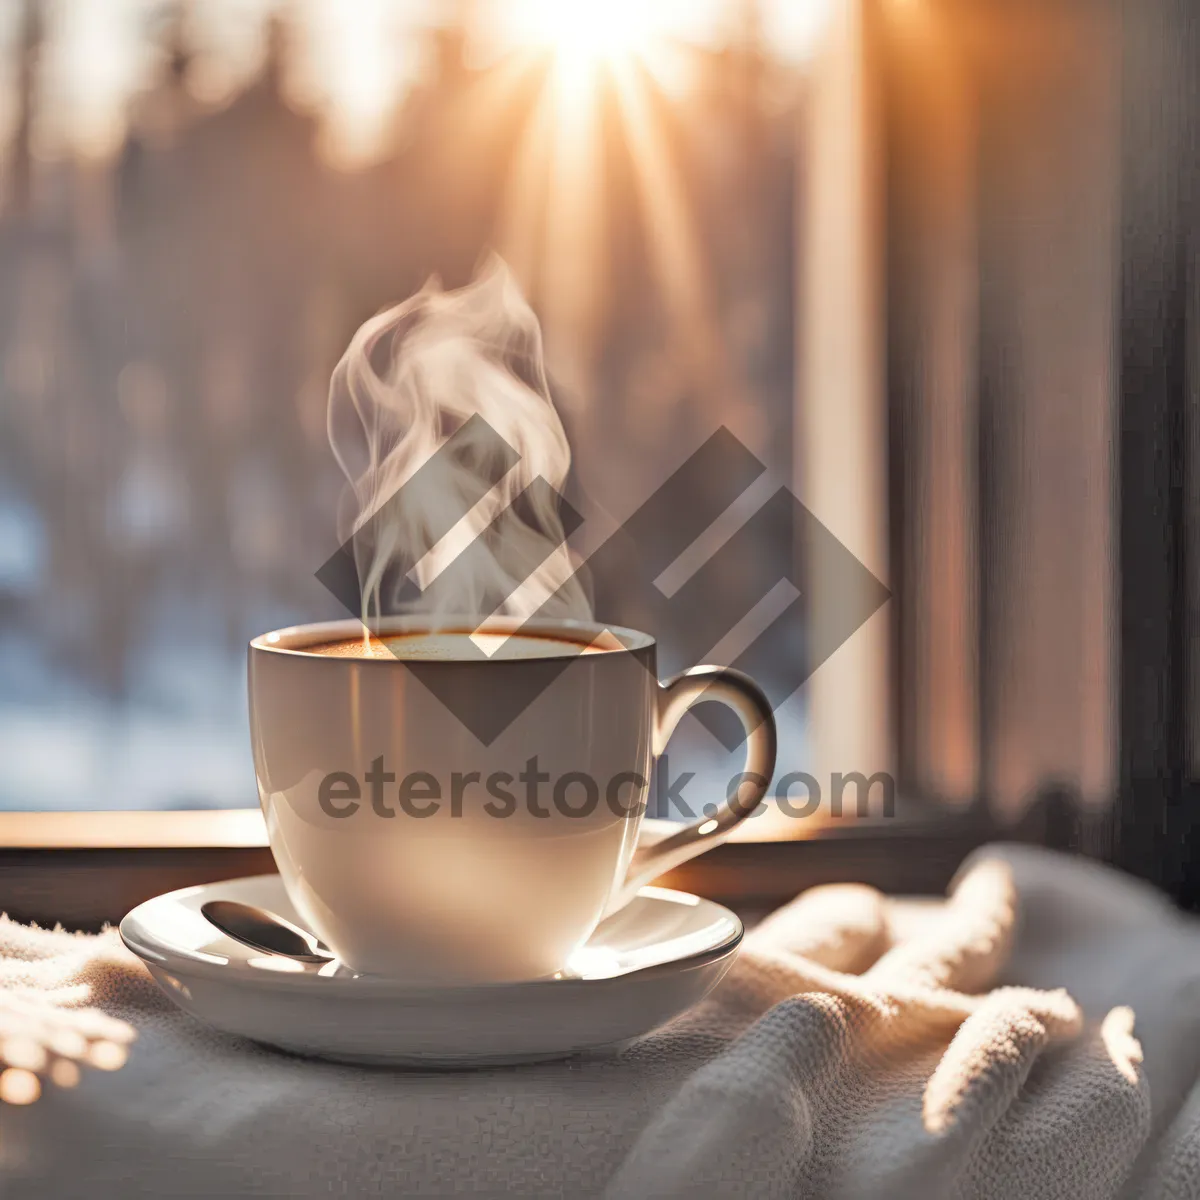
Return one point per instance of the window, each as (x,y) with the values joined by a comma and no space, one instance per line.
(203,203)
(927,261)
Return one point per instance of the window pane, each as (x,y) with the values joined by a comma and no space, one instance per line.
(199,208)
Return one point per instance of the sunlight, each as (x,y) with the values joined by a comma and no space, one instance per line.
(588,38)
(1116,1032)
(678,257)
(619,55)
(42,1036)
(584,34)
(613,66)
(605,78)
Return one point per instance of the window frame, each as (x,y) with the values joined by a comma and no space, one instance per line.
(87,868)
(84,870)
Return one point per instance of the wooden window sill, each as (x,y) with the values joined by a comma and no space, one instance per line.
(85,869)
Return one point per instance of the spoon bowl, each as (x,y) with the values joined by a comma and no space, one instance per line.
(262,930)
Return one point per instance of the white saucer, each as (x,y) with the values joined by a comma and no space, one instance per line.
(660,954)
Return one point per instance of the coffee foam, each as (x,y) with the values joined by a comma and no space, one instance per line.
(454,647)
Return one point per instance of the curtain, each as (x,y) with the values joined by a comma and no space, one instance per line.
(1042,354)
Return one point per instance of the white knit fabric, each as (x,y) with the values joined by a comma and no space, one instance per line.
(1034,1035)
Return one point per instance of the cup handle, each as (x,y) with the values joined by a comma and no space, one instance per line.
(749,702)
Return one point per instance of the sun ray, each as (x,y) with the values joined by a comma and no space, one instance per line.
(675,244)
(606,60)
(553,222)
(523,201)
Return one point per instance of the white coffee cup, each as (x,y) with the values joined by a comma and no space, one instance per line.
(386,809)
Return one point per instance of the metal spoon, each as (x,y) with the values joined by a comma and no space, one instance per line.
(262,930)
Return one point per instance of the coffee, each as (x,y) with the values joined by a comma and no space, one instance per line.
(456,646)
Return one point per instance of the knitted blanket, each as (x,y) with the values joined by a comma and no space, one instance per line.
(1032,1035)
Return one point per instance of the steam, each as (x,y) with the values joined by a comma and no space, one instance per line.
(440,417)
